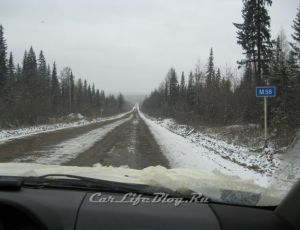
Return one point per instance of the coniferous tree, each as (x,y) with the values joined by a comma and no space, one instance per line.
(79,96)
(254,36)
(198,90)
(121,102)
(182,85)
(296,35)
(210,73)
(210,110)
(181,111)
(235,102)
(72,92)
(3,75)
(283,106)
(173,90)
(43,80)
(191,91)
(11,66)
(295,61)
(31,94)
(55,92)
(42,66)
(11,94)
(31,91)
(3,60)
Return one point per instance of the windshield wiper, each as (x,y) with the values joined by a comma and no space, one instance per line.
(67,181)
(73,182)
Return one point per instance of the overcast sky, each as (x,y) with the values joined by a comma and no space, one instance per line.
(129,45)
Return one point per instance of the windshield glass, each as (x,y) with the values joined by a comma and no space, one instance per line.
(190,95)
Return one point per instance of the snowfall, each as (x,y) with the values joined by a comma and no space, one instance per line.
(198,162)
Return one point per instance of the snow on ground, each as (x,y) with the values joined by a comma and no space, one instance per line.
(10,134)
(185,149)
(76,116)
(177,179)
(70,149)
(289,169)
(133,136)
(240,155)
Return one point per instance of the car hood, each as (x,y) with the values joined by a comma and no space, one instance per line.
(212,184)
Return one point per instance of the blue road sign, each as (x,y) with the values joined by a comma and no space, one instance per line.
(265,91)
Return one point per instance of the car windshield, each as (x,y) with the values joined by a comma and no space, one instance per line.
(200,96)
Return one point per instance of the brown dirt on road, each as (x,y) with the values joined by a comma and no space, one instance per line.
(33,144)
(130,144)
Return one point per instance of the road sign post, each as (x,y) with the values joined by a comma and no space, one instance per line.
(265,91)
(266,123)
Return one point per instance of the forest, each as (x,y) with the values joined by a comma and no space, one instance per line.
(35,93)
(207,96)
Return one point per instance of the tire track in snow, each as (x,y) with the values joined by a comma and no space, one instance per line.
(68,150)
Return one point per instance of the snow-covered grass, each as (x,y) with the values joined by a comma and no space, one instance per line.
(70,149)
(186,148)
(184,153)
(10,134)
(238,154)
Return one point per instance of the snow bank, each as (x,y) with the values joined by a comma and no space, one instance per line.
(10,134)
(186,148)
(76,116)
(243,156)
(70,149)
(184,153)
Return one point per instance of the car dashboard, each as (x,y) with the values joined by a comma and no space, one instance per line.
(44,208)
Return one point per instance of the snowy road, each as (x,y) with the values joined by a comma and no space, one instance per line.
(22,147)
(129,144)
(122,141)
(135,141)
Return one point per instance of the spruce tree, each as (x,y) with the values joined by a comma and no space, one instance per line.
(24,62)
(72,92)
(3,60)
(10,91)
(294,61)
(55,91)
(254,36)
(210,73)
(173,91)
(11,66)
(208,100)
(30,64)
(44,84)
(182,85)
(79,96)
(217,79)
(283,106)
(296,36)
(120,102)
(42,66)
(191,91)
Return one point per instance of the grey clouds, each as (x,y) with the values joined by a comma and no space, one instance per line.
(129,45)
